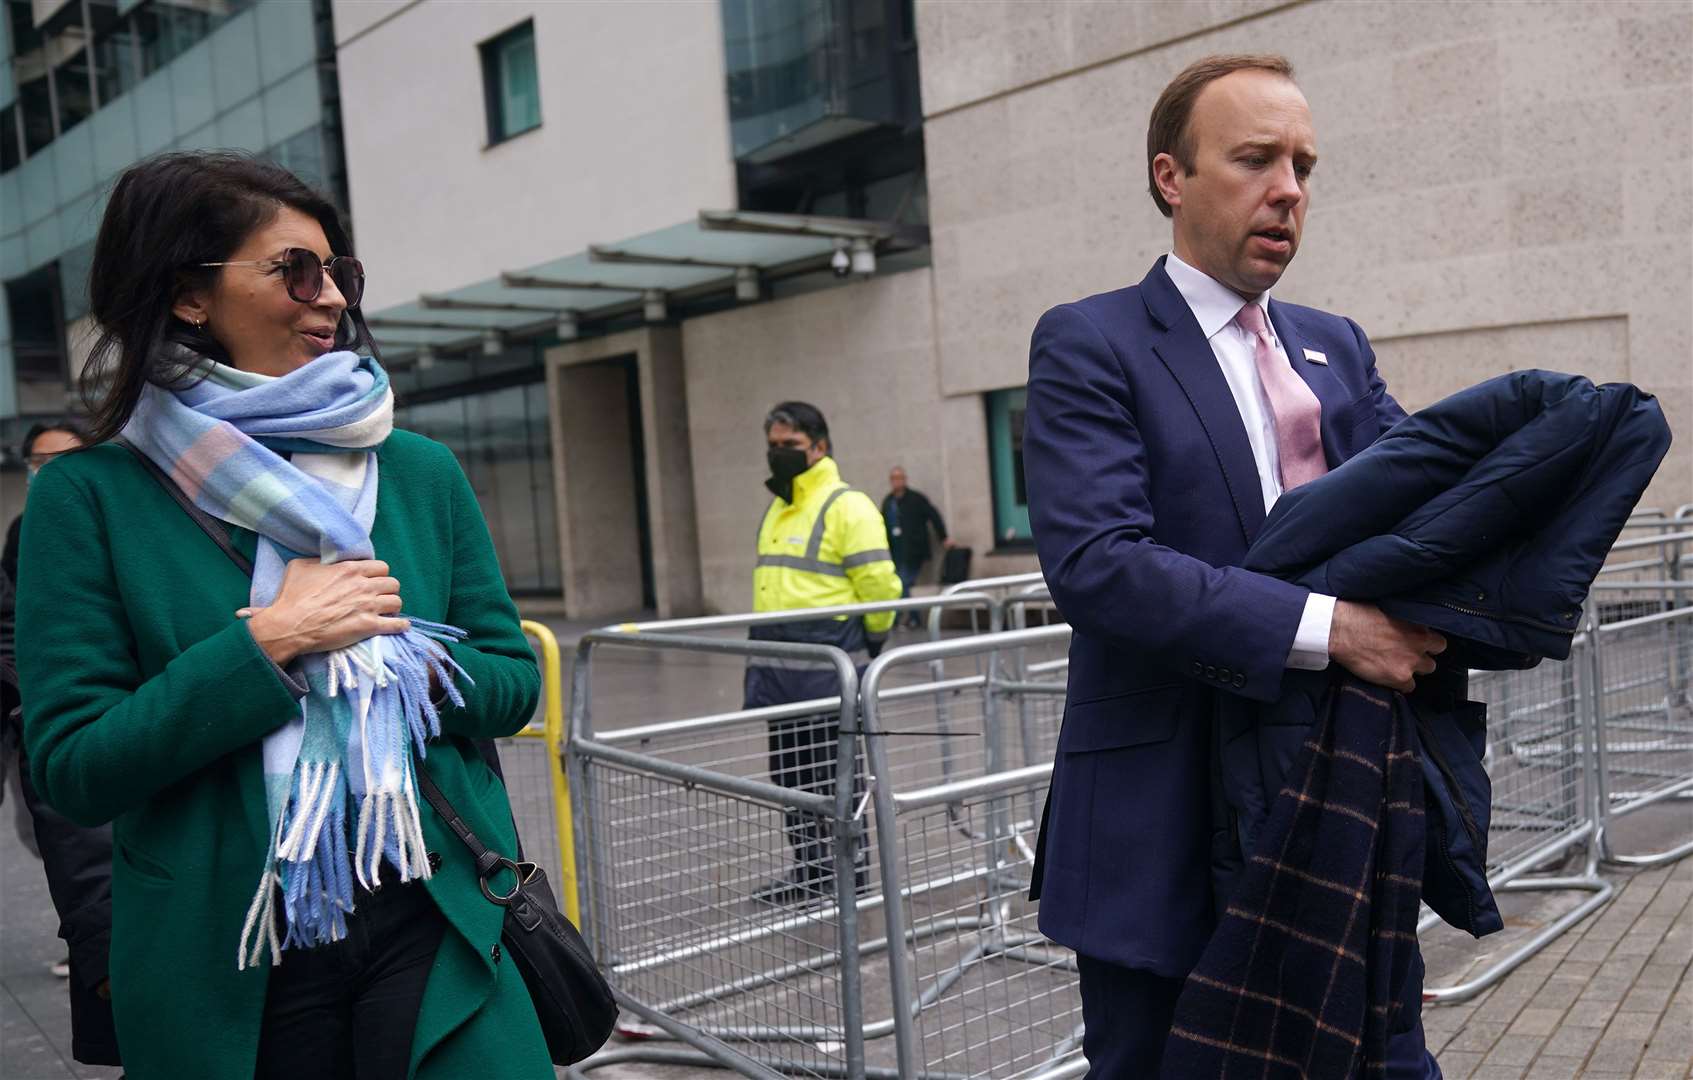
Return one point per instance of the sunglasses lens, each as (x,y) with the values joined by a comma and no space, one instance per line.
(348,273)
(305,275)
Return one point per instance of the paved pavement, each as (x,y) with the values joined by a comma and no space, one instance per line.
(1611,998)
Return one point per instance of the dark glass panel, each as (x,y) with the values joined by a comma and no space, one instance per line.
(76,99)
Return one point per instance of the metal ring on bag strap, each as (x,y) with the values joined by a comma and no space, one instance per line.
(507,864)
(523,869)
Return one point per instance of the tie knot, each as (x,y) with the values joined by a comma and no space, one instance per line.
(1251,319)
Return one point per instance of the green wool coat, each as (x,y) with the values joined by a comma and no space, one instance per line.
(145,701)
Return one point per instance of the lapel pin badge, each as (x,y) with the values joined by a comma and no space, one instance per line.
(1316,357)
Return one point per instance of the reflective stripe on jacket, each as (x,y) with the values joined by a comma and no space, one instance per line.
(827,547)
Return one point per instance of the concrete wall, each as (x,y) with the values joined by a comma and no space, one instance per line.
(1502,184)
(634,134)
(592,450)
(864,354)
(597,517)
(670,475)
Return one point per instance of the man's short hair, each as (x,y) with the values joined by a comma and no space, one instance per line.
(1167,131)
(800,416)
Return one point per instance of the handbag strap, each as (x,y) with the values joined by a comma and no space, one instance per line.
(487,860)
(208,524)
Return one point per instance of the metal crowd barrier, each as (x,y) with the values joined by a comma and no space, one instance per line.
(533,763)
(933,795)
(1645,752)
(976,990)
(684,822)
(1542,763)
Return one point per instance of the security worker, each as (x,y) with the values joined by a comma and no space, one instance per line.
(822,544)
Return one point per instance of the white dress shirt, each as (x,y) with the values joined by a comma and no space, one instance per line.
(1215,305)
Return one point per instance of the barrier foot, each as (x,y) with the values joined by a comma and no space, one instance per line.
(1602,892)
(1646,859)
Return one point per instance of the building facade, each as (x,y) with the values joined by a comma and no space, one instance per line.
(1503,185)
(88,88)
(603,238)
(600,240)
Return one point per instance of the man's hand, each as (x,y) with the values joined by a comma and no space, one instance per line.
(948,542)
(1380,649)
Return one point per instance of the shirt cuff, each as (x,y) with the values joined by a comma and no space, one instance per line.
(1311,641)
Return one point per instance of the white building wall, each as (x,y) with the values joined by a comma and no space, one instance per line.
(634,134)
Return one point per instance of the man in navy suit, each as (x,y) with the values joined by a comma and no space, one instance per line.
(1162,423)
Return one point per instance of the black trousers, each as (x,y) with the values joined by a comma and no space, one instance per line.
(802,756)
(348,1011)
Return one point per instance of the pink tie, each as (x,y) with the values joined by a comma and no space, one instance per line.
(1296,412)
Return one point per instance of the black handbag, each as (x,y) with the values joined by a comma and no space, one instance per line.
(574,1004)
(572,1000)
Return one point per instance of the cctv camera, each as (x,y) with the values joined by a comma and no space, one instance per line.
(840,262)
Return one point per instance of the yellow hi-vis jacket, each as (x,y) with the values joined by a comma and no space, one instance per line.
(827,547)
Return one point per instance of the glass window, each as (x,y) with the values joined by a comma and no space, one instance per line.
(70,84)
(1005,461)
(511,84)
(117,59)
(38,354)
(302,155)
(35,98)
(169,28)
(10,155)
(502,440)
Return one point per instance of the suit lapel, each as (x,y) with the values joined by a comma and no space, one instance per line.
(1330,393)
(1182,349)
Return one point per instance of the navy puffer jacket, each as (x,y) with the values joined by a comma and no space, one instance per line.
(1485,517)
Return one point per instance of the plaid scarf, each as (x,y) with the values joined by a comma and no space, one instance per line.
(367,707)
(1302,976)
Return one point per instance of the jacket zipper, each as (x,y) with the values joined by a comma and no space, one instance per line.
(1458,804)
(1433,751)
(1536,623)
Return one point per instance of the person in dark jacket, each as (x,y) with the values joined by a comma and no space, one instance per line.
(1164,420)
(77,860)
(42,443)
(910,516)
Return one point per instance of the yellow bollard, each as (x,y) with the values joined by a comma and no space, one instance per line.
(552,698)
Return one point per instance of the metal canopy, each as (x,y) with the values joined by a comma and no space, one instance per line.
(693,259)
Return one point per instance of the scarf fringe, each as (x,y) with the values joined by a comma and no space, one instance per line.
(386,681)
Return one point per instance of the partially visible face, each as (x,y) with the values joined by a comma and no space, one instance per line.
(781,434)
(896,480)
(1238,216)
(248,309)
(49,445)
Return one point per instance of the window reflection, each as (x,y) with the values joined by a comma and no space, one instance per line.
(35,99)
(503,443)
(73,91)
(90,54)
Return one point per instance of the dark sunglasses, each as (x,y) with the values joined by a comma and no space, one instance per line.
(302,272)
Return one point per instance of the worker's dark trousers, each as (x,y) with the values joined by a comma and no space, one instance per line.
(803,752)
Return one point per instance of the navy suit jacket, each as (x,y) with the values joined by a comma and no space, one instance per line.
(1144,495)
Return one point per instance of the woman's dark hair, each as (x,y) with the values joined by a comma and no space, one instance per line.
(802,417)
(167,215)
(67,424)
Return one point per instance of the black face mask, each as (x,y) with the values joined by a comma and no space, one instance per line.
(786,463)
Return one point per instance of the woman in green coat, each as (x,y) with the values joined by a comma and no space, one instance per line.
(283,902)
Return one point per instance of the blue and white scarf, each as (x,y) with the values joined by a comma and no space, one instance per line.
(347,757)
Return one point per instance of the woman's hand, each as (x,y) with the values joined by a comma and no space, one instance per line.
(322,607)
